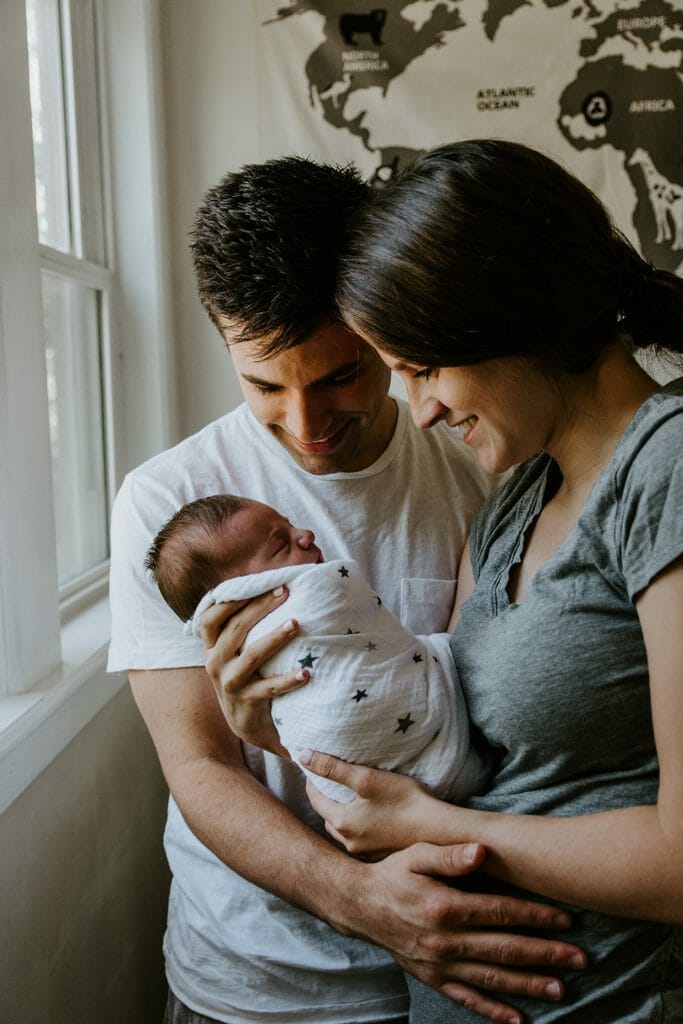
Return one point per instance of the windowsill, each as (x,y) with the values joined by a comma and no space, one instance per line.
(36,726)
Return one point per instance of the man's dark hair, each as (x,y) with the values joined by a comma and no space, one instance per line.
(266,244)
(184,559)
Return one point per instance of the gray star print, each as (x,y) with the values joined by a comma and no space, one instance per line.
(404,723)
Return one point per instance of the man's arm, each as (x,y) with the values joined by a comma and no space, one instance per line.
(445,937)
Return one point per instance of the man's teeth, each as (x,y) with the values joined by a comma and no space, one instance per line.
(465,425)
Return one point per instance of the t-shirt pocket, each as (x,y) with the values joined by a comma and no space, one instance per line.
(426,605)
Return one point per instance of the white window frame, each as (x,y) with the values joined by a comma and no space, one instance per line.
(52,667)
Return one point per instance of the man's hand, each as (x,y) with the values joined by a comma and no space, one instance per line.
(454,941)
(243,695)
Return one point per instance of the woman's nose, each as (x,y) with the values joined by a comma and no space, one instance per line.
(426,411)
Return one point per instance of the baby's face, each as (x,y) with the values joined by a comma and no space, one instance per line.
(266,540)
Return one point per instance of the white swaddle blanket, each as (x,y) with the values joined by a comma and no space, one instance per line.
(378,695)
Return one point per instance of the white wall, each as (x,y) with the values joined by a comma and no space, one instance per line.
(209,73)
(84,883)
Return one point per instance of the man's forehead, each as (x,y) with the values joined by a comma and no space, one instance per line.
(326,352)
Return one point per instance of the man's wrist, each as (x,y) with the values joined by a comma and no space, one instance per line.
(351,896)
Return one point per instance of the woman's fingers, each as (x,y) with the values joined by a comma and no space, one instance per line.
(261,691)
(355,776)
(239,672)
(230,621)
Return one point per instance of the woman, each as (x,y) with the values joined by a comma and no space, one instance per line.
(495,284)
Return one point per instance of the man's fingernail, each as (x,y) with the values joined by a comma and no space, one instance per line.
(469,853)
(278,592)
(289,626)
(514,1020)
(553,990)
(577,960)
(305,756)
(302,675)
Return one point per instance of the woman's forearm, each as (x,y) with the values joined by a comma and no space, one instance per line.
(626,862)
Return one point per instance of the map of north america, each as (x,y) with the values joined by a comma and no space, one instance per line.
(573,77)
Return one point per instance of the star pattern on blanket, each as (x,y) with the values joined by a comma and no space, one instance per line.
(417,658)
(370,646)
(343,572)
(404,723)
(307,661)
(351,632)
(379,600)
(359,695)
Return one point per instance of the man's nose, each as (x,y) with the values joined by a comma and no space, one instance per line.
(307,418)
(305,538)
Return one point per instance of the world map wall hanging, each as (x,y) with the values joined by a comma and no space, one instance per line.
(597,85)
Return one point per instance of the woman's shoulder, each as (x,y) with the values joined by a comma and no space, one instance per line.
(653,440)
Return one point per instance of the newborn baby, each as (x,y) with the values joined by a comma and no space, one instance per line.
(377,694)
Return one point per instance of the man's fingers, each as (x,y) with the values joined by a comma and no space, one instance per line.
(446,861)
(483,908)
(494,978)
(478,1002)
(508,949)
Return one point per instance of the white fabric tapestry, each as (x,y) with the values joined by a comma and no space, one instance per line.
(593,83)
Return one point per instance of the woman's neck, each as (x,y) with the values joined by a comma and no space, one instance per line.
(598,406)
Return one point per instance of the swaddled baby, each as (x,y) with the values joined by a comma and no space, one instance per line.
(377,694)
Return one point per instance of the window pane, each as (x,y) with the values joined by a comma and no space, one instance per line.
(74,374)
(46,75)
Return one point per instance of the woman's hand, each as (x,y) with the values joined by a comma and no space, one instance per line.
(242,694)
(390,812)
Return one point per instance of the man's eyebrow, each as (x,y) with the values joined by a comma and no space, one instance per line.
(258,380)
(340,371)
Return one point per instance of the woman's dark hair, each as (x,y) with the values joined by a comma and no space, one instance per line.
(484,249)
(185,560)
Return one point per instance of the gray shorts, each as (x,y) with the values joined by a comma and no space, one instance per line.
(178,1013)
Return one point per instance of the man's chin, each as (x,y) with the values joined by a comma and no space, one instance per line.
(319,463)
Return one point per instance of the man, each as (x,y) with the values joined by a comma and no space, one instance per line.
(267,919)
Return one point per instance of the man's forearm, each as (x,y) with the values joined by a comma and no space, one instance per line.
(259,838)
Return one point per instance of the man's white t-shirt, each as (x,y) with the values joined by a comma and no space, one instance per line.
(235,952)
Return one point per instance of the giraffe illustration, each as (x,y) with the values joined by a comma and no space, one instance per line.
(666,199)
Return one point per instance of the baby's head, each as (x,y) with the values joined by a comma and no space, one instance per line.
(214,538)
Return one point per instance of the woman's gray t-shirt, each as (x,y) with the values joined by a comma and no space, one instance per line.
(557,688)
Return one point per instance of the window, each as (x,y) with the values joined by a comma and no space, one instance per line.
(82,269)
(76,283)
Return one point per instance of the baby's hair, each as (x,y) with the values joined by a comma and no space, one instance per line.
(184,560)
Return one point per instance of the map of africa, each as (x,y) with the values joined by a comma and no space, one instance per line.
(597,84)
